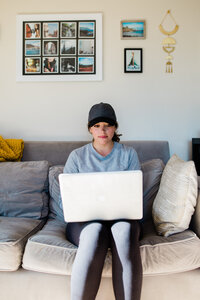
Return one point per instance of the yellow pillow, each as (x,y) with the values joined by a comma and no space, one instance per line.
(176,199)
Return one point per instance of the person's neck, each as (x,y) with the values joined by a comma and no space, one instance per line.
(103,150)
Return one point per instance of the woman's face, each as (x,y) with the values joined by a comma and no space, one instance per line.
(102,132)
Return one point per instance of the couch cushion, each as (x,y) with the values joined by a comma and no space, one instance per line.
(14,232)
(174,204)
(55,210)
(152,172)
(24,189)
(48,251)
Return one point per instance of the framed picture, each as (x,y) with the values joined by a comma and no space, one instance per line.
(133,60)
(86,29)
(32,30)
(32,65)
(68,47)
(50,30)
(85,64)
(133,29)
(50,47)
(32,47)
(68,30)
(56,47)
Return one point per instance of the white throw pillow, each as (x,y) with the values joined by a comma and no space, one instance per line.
(176,198)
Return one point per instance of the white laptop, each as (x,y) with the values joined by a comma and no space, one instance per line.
(102,195)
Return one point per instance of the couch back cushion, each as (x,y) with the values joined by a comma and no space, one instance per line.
(55,206)
(24,189)
(152,172)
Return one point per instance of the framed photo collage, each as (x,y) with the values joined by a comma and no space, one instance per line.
(59,47)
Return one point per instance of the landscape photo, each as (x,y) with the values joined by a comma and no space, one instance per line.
(86,47)
(67,47)
(86,29)
(86,64)
(133,29)
(32,47)
(68,29)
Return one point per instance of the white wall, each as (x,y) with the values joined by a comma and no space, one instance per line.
(151,105)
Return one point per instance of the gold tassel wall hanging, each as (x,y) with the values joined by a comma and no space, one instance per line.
(169,42)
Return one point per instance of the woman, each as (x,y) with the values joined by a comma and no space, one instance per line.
(95,237)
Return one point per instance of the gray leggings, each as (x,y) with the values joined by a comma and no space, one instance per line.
(93,240)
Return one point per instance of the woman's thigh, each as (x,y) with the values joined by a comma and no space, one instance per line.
(86,230)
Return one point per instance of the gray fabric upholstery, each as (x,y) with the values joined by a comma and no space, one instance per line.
(152,172)
(57,152)
(55,210)
(24,189)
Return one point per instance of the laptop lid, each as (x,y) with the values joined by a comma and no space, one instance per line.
(102,195)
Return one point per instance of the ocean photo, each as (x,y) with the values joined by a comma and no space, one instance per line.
(86,29)
(133,29)
(32,48)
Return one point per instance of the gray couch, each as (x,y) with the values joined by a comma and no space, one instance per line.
(35,257)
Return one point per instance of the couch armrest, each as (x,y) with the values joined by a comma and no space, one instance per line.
(196,216)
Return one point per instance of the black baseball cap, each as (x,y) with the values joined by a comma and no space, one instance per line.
(102,112)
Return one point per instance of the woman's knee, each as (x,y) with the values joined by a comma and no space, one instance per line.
(125,231)
(94,233)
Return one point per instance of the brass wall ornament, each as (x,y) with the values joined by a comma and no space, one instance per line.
(169,42)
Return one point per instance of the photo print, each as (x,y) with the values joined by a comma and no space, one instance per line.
(67,64)
(32,47)
(86,47)
(86,29)
(133,29)
(86,64)
(133,60)
(32,30)
(67,47)
(50,65)
(50,30)
(50,47)
(32,65)
(68,30)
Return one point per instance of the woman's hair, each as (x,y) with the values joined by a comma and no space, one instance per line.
(116,136)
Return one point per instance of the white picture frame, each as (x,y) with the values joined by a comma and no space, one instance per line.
(35,73)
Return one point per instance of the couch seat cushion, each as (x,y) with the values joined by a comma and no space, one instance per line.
(24,189)
(14,233)
(48,251)
(165,255)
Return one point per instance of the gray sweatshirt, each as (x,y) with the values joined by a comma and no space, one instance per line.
(87,159)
